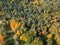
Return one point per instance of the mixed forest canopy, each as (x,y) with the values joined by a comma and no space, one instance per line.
(29,22)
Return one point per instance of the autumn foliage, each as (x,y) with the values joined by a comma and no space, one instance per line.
(29,22)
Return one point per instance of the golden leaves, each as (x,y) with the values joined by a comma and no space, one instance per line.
(1,38)
(23,37)
(43,32)
(14,25)
(21,18)
(54,19)
(49,36)
(1,44)
(18,32)
(36,2)
(35,32)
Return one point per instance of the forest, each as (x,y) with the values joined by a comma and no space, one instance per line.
(29,22)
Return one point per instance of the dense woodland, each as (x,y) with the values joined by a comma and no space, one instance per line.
(29,22)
